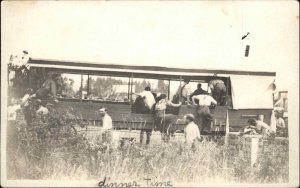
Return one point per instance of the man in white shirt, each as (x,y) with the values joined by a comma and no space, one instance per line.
(191,131)
(148,98)
(259,126)
(204,100)
(107,126)
(106,119)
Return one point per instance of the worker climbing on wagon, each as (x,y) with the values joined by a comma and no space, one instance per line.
(145,102)
(198,91)
(205,102)
(163,119)
(218,91)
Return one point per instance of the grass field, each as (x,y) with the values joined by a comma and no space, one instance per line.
(49,149)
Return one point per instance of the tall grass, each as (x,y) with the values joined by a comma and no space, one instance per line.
(50,149)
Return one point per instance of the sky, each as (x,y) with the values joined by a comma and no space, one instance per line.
(198,34)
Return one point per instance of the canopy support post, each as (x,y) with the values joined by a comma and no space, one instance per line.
(169,89)
(81,87)
(131,89)
(88,86)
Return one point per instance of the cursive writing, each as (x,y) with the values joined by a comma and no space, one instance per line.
(146,183)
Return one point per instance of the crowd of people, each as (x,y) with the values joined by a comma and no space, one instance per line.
(159,106)
(165,110)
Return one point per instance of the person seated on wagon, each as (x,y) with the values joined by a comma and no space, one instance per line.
(183,92)
(280,124)
(259,126)
(48,88)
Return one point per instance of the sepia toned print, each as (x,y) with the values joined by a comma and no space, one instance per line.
(111,94)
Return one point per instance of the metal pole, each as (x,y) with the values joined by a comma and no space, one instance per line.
(128,96)
(81,87)
(227,129)
(88,86)
(180,89)
(131,88)
(169,89)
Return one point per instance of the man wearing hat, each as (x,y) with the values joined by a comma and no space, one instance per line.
(191,130)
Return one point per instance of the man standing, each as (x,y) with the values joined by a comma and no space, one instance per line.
(106,125)
(148,134)
(148,98)
(106,119)
(191,131)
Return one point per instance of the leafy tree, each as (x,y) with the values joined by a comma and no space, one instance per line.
(18,77)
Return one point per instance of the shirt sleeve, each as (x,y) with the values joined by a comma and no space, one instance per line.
(198,132)
(142,94)
(213,100)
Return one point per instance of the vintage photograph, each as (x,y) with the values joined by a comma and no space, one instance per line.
(150,93)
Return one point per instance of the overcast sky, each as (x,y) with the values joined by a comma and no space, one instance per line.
(202,34)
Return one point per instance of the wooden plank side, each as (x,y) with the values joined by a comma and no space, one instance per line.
(124,119)
(239,118)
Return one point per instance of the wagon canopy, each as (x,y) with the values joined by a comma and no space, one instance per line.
(252,92)
(136,70)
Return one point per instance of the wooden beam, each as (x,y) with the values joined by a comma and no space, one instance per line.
(136,68)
